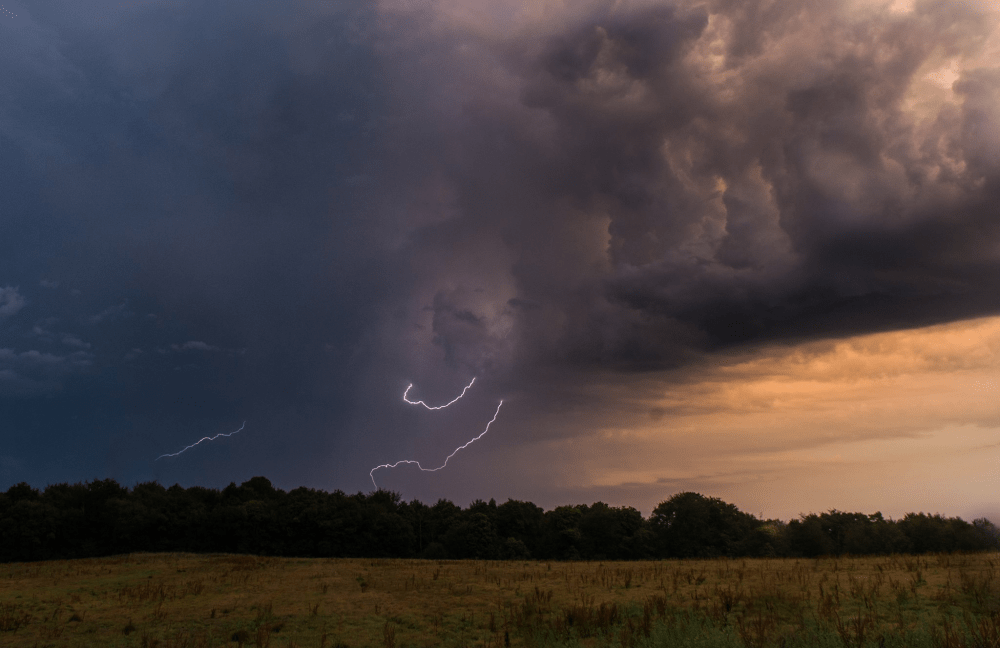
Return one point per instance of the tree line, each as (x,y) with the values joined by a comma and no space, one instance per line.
(101,518)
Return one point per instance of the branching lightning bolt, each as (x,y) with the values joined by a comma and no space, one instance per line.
(221,434)
(461,447)
(420,402)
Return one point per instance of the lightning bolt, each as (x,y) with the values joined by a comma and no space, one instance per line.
(420,402)
(221,434)
(461,447)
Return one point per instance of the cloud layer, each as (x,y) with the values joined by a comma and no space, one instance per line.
(616,215)
(679,177)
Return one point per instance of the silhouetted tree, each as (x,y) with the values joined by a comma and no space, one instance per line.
(806,537)
(514,549)
(562,535)
(473,537)
(521,521)
(609,533)
(988,531)
(101,518)
(690,525)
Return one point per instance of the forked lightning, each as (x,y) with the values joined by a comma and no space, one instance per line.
(420,402)
(467,444)
(222,434)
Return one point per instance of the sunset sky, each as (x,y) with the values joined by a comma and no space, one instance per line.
(748,248)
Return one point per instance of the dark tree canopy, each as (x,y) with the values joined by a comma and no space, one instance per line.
(102,518)
(689,525)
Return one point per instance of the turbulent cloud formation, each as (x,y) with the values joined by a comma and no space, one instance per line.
(597,189)
(686,176)
(611,213)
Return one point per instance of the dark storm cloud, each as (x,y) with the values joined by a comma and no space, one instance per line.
(225,210)
(677,177)
(176,178)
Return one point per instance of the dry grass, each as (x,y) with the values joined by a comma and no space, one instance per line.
(175,600)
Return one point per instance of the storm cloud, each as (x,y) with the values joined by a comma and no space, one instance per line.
(286,212)
(681,177)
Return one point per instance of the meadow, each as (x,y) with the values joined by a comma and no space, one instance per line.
(194,601)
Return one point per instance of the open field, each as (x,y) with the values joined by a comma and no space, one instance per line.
(183,600)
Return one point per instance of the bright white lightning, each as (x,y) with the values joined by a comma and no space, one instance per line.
(461,447)
(220,434)
(420,402)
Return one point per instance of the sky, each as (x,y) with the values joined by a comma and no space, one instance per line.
(745,248)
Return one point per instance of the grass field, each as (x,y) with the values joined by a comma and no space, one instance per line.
(181,600)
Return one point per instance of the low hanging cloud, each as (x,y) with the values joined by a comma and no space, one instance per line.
(676,178)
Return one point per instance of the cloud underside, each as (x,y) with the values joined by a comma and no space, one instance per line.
(670,179)
(737,247)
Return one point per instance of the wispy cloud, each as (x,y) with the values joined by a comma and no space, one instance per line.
(74,341)
(33,372)
(11,301)
(194,345)
(110,313)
